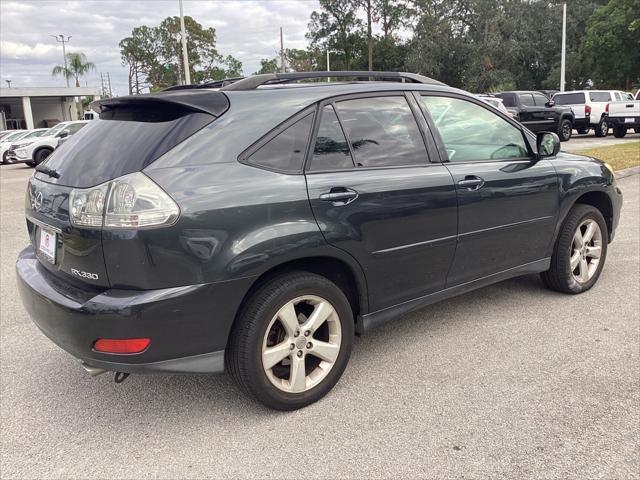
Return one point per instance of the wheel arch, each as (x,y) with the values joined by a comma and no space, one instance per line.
(597,199)
(337,270)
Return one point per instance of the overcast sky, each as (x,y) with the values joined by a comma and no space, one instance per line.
(248,30)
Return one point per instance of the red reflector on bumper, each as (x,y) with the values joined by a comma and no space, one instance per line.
(125,345)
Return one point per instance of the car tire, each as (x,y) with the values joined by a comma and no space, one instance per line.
(272,318)
(4,158)
(31,164)
(602,128)
(41,155)
(582,131)
(575,266)
(619,131)
(565,128)
(637,129)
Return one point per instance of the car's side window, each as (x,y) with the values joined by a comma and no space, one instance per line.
(286,151)
(331,150)
(382,131)
(526,99)
(472,133)
(540,100)
(600,96)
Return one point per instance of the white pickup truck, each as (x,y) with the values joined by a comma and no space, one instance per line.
(624,116)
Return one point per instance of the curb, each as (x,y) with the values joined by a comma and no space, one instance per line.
(627,172)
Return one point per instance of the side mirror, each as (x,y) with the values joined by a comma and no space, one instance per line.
(550,103)
(63,134)
(548,144)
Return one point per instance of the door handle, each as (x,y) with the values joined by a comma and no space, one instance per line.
(339,196)
(471,182)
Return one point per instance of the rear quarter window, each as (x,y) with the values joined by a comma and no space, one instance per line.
(600,96)
(569,98)
(285,152)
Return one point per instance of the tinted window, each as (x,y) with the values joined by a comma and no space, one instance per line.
(540,100)
(600,96)
(569,98)
(123,140)
(526,99)
(617,95)
(382,132)
(287,149)
(331,151)
(472,132)
(508,99)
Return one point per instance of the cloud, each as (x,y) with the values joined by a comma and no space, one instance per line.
(248,30)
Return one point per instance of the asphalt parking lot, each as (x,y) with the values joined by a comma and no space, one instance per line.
(589,140)
(511,381)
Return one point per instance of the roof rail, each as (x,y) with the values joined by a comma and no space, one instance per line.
(209,84)
(254,81)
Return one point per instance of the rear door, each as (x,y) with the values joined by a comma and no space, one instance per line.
(376,195)
(548,117)
(507,201)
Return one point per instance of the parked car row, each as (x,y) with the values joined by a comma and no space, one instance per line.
(593,110)
(34,146)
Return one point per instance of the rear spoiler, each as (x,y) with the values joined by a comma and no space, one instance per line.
(197,101)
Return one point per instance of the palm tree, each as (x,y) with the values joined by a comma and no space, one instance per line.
(77,66)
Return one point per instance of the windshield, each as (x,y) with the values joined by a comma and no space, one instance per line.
(14,136)
(37,133)
(53,131)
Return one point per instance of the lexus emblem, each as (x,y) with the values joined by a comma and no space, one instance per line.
(36,201)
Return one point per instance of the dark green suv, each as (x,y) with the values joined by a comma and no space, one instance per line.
(256,226)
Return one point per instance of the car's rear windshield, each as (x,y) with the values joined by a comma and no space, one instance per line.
(600,96)
(123,140)
(569,98)
(508,99)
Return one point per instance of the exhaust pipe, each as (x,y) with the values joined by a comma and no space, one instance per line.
(93,371)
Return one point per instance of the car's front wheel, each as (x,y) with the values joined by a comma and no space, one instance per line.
(292,341)
(579,252)
(564,130)
(41,155)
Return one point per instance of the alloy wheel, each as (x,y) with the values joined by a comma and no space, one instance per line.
(586,250)
(301,344)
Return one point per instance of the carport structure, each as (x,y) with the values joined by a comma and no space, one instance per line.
(35,107)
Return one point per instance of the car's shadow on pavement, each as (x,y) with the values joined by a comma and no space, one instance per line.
(196,397)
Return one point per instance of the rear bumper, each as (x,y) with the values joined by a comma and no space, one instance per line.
(622,121)
(188,325)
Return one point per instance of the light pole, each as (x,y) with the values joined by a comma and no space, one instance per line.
(60,39)
(185,56)
(8,83)
(564,47)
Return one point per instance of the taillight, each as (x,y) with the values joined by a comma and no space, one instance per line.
(132,201)
(122,346)
(587,109)
(606,108)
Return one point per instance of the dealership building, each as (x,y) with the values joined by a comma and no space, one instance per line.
(37,107)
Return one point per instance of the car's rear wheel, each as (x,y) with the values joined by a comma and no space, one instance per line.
(619,131)
(41,155)
(564,130)
(292,341)
(579,252)
(602,128)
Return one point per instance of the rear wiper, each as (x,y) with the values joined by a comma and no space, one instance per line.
(47,171)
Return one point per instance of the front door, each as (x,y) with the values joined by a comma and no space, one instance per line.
(507,201)
(375,194)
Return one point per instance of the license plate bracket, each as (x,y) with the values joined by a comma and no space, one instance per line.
(47,244)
